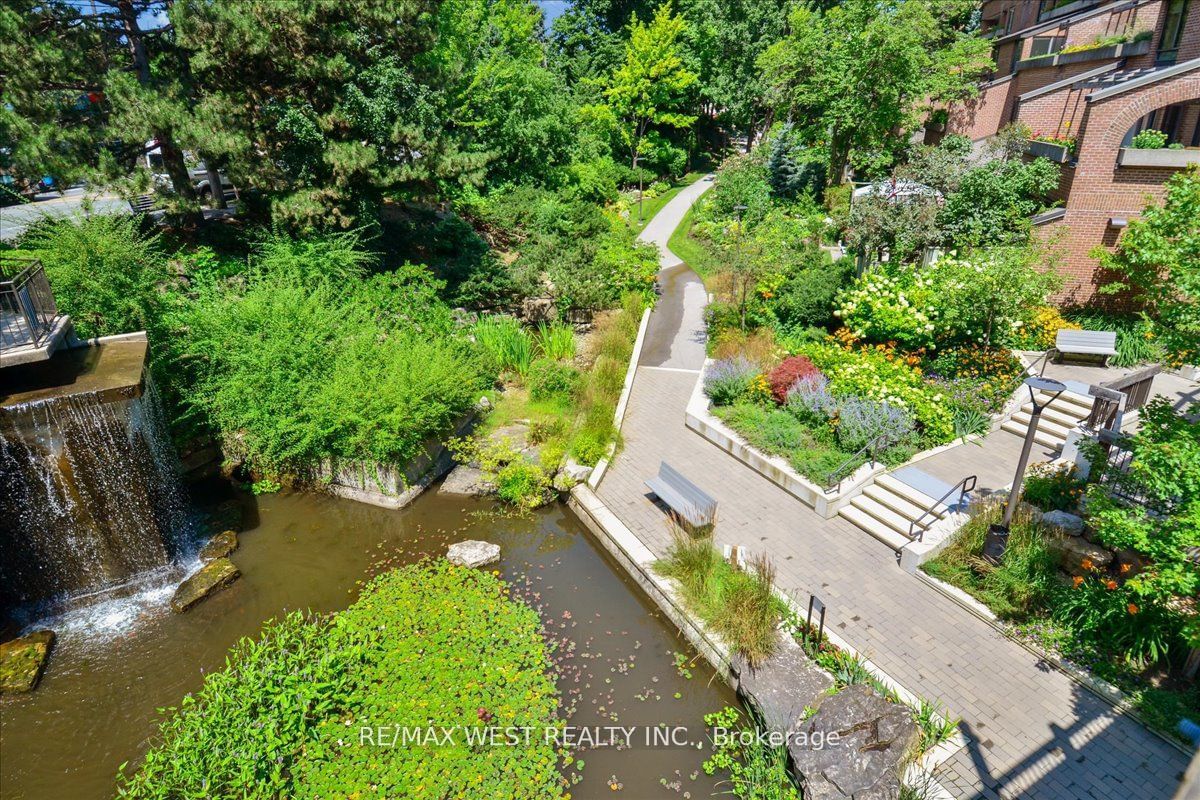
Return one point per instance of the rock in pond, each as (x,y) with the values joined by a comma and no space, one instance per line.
(468,480)
(782,686)
(873,738)
(23,660)
(219,546)
(473,553)
(210,578)
(576,471)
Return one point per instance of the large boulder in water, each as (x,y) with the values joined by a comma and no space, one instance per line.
(467,480)
(23,660)
(853,747)
(782,686)
(212,577)
(473,553)
(219,546)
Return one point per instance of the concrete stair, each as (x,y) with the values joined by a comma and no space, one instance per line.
(888,507)
(1057,420)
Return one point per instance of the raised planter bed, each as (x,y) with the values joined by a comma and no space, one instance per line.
(1158,158)
(700,419)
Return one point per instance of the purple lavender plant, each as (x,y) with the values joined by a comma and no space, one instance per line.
(861,420)
(809,400)
(728,380)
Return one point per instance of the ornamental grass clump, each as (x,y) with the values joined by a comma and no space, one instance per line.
(729,380)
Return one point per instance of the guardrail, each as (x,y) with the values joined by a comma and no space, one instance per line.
(916,530)
(27,307)
(833,481)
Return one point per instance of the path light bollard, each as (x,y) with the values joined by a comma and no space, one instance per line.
(997,536)
(815,605)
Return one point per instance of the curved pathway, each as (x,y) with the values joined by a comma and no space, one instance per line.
(1034,732)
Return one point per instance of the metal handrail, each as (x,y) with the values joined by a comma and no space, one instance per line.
(27,301)
(967,484)
(833,480)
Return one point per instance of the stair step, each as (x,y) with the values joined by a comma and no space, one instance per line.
(872,526)
(1069,400)
(1067,418)
(1045,425)
(883,514)
(898,503)
(1041,437)
(914,496)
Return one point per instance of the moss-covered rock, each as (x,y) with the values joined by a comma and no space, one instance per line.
(219,546)
(23,660)
(209,579)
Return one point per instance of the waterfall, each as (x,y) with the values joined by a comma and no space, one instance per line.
(90,498)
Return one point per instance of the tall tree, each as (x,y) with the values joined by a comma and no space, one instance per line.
(327,108)
(649,88)
(857,75)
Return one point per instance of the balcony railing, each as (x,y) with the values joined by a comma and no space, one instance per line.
(27,309)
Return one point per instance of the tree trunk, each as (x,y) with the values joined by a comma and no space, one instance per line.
(214,182)
(172,156)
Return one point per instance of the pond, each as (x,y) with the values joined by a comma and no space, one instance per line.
(117,662)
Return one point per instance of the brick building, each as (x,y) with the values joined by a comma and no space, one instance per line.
(1092,74)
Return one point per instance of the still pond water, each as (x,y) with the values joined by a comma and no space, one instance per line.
(116,663)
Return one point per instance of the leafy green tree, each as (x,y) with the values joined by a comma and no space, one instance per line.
(1159,257)
(857,75)
(327,108)
(650,86)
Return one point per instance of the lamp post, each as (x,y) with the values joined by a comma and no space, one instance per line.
(997,536)
(739,273)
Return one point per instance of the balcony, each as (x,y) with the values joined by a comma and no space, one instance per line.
(31,328)
(1158,158)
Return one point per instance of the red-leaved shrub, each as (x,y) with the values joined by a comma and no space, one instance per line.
(787,373)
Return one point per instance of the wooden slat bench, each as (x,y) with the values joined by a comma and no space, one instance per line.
(1085,343)
(685,498)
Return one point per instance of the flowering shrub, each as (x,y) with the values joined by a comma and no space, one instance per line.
(784,376)
(1051,487)
(870,373)
(859,421)
(809,400)
(990,373)
(728,380)
(985,299)
(1042,328)
(897,307)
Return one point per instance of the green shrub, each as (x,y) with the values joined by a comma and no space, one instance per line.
(757,771)
(1149,139)
(291,369)
(269,724)
(591,445)
(106,272)
(1053,487)
(1137,342)
(547,379)
(523,484)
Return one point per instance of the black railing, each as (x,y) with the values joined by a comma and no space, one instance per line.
(27,309)
(916,528)
(865,454)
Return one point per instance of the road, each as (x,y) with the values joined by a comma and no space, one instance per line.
(15,219)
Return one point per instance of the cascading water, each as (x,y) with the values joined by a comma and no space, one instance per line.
(89,495)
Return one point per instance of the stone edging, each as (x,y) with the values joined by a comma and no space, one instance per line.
(602,465)
(638,561)
(1097,686)
(699,418)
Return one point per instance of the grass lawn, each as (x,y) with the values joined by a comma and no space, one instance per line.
(692,251)
(653,206)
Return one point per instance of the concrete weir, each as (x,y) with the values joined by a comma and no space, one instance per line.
(88,485)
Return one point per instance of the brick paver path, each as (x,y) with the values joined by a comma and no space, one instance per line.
(1034,732)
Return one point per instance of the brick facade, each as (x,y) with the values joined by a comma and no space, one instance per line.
(1099,98)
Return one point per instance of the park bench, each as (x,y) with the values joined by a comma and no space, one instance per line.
(142,204)
(1085,343)
(685,498)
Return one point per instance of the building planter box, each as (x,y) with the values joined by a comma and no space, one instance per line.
(1158,158)
(774,468)
(1058,153)
(1112,51)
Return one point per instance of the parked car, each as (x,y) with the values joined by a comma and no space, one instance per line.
(201,182)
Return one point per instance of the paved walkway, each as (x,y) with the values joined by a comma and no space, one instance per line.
(1034,732)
